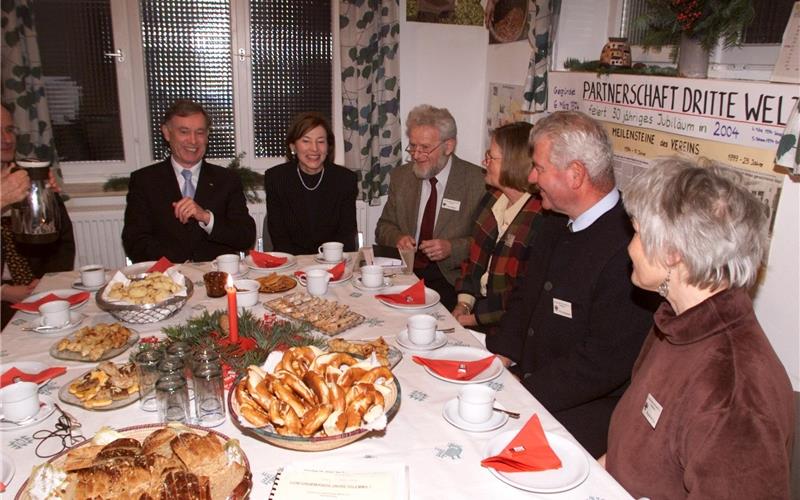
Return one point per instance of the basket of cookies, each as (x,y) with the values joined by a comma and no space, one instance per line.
(145,298)
(306,399)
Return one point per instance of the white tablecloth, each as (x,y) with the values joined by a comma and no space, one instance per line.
(444,461)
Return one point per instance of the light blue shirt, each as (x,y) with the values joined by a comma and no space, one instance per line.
(195,169)
(588,217)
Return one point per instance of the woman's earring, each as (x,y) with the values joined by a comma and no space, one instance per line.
(663,288)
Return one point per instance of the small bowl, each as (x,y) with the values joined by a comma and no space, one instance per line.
(246,292)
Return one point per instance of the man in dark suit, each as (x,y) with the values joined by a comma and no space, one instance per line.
(438,226)
(185,208)
(575,325)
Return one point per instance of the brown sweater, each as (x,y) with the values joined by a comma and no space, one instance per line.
(725,429)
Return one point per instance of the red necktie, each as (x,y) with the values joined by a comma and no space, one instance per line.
(426,228)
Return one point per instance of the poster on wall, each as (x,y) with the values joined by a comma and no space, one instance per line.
(787,67)
(507,20)
(735,123)
(503,106)
(464,12)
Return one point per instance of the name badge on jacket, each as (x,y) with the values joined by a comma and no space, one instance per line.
(651,410)
(449,204)
(562,308)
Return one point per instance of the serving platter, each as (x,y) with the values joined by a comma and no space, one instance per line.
(69,398)
(133,338)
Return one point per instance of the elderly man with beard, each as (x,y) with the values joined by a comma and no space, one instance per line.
(433,201)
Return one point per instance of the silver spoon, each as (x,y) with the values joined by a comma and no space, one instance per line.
(511,414)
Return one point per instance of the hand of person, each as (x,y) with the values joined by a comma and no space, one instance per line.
(506,361)
(488,12)
(467,320)
(406,242)
(13,186)
(460,310)
(52,182)
(17,293)
(436,250)
(187,208)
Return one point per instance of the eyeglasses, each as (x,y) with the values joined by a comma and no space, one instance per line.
(11,129)
(65,435)
(487,157)
(418,150)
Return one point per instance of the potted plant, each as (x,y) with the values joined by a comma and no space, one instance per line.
(693,28)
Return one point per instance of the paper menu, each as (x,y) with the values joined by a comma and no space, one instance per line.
(367,482)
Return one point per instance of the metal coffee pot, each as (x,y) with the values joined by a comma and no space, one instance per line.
(36,219)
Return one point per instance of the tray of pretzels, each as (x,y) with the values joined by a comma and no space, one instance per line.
(306,399)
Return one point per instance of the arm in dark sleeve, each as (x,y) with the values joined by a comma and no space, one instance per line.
(347,231)
(234,226)
(137,234)
(618,324)
(278,216)
(510,337)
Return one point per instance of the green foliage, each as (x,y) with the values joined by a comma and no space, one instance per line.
(116,184)
(251,181)
(706,21)
(604,69)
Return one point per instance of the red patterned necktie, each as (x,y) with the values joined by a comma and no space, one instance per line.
(426,228)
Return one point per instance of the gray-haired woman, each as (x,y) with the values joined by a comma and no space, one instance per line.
(709,412)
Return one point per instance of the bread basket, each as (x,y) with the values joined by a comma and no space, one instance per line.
(144,313)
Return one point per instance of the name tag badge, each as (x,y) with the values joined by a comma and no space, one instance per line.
(453,205)
(651,410)
(562,308)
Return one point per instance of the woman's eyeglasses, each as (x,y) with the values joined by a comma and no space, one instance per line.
(487,157)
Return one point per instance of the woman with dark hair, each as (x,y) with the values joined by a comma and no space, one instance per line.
(709,412)
(504,229)
(310,200)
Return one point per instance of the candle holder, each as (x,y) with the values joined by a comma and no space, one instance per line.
(215,283)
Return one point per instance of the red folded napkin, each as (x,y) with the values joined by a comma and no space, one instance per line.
(415,294)
(13,373)
(457,370)
(162,265)
(262,259)
(73,299)
(528,451)
(336,271)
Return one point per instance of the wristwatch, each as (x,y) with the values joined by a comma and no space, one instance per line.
(466,306)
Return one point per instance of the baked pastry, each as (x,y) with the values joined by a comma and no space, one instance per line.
(363,349)
(105,384)
(92,342)
(275,283)
(327,316)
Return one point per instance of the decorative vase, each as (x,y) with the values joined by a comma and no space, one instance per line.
(617,52)
(692,58)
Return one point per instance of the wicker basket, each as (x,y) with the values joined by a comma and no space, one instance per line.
(145,313)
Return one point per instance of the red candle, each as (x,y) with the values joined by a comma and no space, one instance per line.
(233,317)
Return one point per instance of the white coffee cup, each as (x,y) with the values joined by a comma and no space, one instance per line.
(19,401)
(372,276)
(228,263)
(331,251)
(55,313)
(93,275)
(476,403)
(316,281)
(421,329)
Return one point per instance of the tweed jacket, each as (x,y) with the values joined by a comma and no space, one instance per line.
(509,257)
(152,231)
(465,185)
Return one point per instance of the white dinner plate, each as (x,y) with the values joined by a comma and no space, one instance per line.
(574,465)
(450,413)
(75,319)
(46,407)
(7,473)
(438,341)
(243,269)
(62,293)
(466,353)
(27,367)
(387,281)
(431,298)
(290,261)
(346,256)
(346,275)
(78,285)
(138,268)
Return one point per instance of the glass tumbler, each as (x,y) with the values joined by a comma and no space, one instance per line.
(147,366)
(209,394)
(173,399)
(182,351)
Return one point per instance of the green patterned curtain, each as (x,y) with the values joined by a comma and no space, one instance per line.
(370,32)
(23,86)
(543,19)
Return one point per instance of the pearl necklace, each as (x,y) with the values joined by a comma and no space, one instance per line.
(303,182)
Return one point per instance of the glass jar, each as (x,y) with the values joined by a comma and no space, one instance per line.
(37,218)
(209,394)
(173,399)
(147,366)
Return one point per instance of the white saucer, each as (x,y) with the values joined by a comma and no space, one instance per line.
(387,281)
(46,407)
(290,261)
(404,341)
(347,257)
(243,270)
(62,293)
(450,413)
(75,319)
(78,285)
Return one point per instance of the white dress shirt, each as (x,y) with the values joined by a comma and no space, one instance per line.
(195,169)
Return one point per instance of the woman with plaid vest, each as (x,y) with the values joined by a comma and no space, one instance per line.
(503,231)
